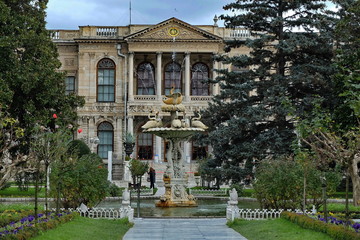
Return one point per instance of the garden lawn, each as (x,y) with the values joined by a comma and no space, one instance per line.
(82,228)
(340,207)
(15,192)
(279,229)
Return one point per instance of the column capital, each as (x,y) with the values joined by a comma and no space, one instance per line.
(131,53)
(187,53)
(159,53)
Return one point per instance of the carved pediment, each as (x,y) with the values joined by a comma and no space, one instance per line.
(170,29)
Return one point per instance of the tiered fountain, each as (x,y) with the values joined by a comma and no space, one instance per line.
(180,130)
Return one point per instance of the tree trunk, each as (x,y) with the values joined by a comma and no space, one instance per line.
(355,178)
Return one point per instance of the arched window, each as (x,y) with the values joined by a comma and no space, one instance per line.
(106,80)
(106,137)
(199,73)
(145,79)
(198,151)
(145,146)
(172,77)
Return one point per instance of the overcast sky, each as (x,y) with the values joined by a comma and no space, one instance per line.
(70,14)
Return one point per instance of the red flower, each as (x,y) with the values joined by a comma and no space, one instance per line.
(54,115)
(99,166)
(79,130)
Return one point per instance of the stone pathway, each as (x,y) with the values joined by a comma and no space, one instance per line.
(181,229)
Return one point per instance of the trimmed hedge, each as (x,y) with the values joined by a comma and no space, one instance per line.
(335,231)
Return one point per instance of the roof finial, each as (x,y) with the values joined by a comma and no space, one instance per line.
(215,20)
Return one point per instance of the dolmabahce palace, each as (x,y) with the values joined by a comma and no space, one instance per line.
(124,72)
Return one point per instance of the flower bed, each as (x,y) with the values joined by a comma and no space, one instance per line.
(26,227)
(12,215)
(335,228)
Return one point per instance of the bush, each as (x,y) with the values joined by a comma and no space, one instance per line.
(338,232)
(78,148)
(114,191)
(279,183)
(83,180)
(238,187)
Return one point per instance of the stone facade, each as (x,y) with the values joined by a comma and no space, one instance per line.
(129,50)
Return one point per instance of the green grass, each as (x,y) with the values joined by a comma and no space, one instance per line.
(340,195)
(15,192)
(19,206)
(279,229)
(248,193)
(88,229)
(340,207)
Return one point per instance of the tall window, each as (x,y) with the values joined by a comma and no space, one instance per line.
(145,146)
(106,81)
(172,77)
(145,79)
(199,73)
(198,151)
(106,137)
(69,85)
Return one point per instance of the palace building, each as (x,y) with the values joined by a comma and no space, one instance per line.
(124,72)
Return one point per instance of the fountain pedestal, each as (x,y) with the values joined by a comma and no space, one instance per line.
(174,177)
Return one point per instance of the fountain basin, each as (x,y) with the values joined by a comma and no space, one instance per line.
(181,133)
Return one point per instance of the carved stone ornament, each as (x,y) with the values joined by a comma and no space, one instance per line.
(170,32)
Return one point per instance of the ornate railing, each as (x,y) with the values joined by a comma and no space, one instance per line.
(109,213)
(106,31)
(144,97)
(240,33)
(55,34)
(257,214)
(201,98)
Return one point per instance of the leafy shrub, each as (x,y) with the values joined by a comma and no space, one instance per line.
(238,187)
(114,190)
(279,183)
(78,148)
(338,232)
(83,180)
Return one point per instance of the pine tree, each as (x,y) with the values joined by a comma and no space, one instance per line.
(289,66)
(33,87)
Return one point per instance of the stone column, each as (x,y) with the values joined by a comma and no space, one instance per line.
(215,89)
(118,140)
(187,151)
(158,149)
(131,77)
(158,75)
(130,126)
(187,76)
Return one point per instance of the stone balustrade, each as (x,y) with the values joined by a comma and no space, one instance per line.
(106,32)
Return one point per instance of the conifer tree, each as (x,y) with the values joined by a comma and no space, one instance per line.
(289,66)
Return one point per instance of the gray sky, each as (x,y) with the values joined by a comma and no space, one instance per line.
(69,14)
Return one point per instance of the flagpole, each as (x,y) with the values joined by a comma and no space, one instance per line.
(130,12)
